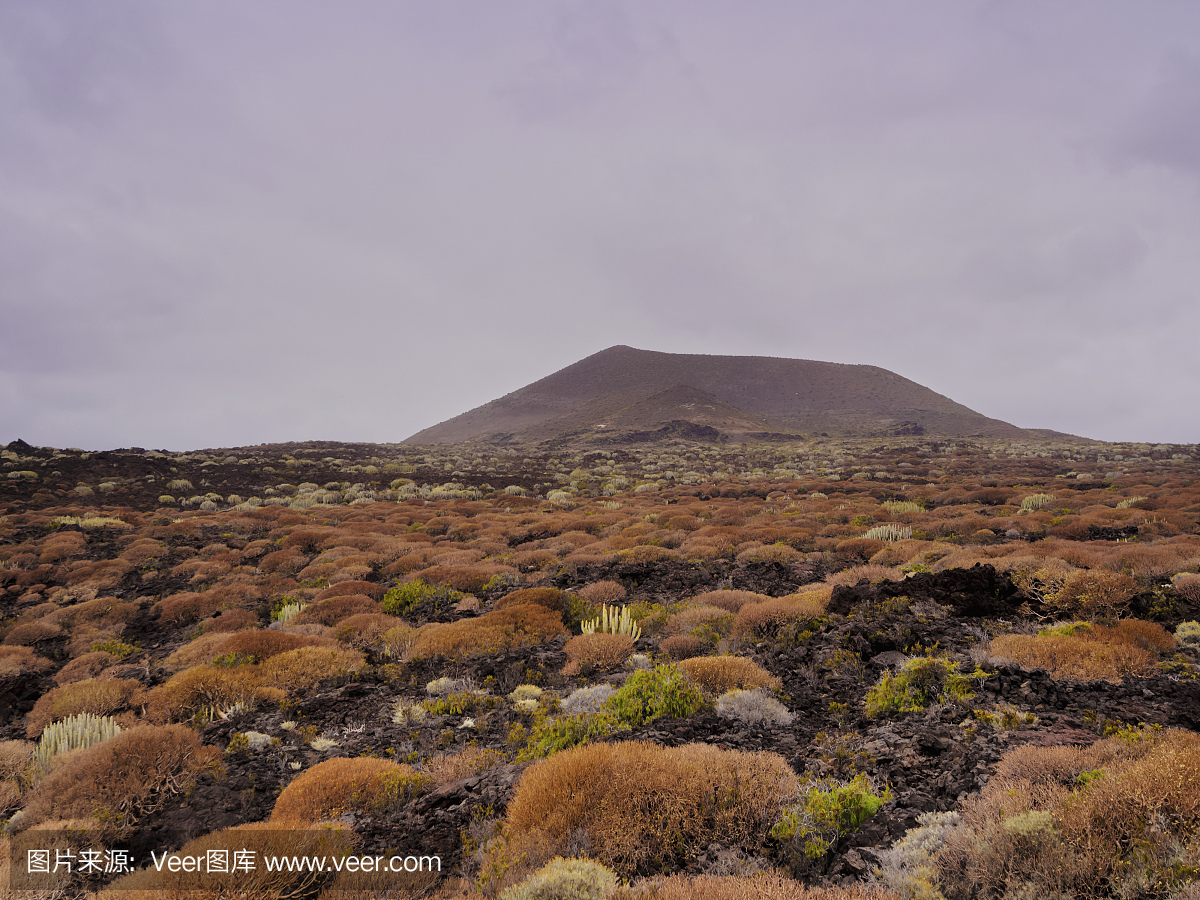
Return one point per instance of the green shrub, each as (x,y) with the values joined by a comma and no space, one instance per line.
(827,812)
(116,648)
(649,694)
(554,735)
(404,598)
(921,682)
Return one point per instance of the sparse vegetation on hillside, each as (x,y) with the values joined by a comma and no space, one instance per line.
(846,642)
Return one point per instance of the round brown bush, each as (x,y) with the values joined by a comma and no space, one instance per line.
(87,666)
(600,593)
(29,633)
(681,646)
(551,598)
(649,808)
(333,609)
(596,652)
(123,779)
(230,620)
(366,629)
(337,786)
(346,588)
(718,674)
(728,600)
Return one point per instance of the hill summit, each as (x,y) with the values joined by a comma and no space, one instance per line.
(626,394)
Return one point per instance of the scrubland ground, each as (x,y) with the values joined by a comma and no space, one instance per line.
(914,669)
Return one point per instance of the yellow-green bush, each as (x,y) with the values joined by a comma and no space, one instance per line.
(921,682)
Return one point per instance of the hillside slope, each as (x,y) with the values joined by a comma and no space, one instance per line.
(623,387)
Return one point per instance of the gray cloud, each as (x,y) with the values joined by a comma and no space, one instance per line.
(227,223)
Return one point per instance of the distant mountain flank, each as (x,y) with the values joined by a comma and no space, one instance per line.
(624,394)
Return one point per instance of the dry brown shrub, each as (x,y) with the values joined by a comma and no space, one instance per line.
(87,666)
(230,620)
(182,609)
(778,554)
(346,588)
(859,547)
(730,600)
(29,633)
(1146,560)
(200,650)
(207,689)
(397,640)
(63,545)
(759,886)
(366,629)
(122,779)
(337,786)
(418,558)
(1039,828)
(104,612)
(10,798)
(302,669)
(549,597)
(261,645)
(700,620)
(306,540)
(500,629)
(646,807)
(598,652)
(15,756)
(911,550)
(531,560)
(1091,653)
(871,572)
(1094,594)
(718,674)
(1188,587)
(468,579)
(99,696)
(444,768)
(647,554)
(22,661)
(1138,633)
(770,615)
(334,609)
(101,575)
(681,646)
(282,562)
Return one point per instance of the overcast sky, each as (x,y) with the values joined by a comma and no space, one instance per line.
(226,223)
